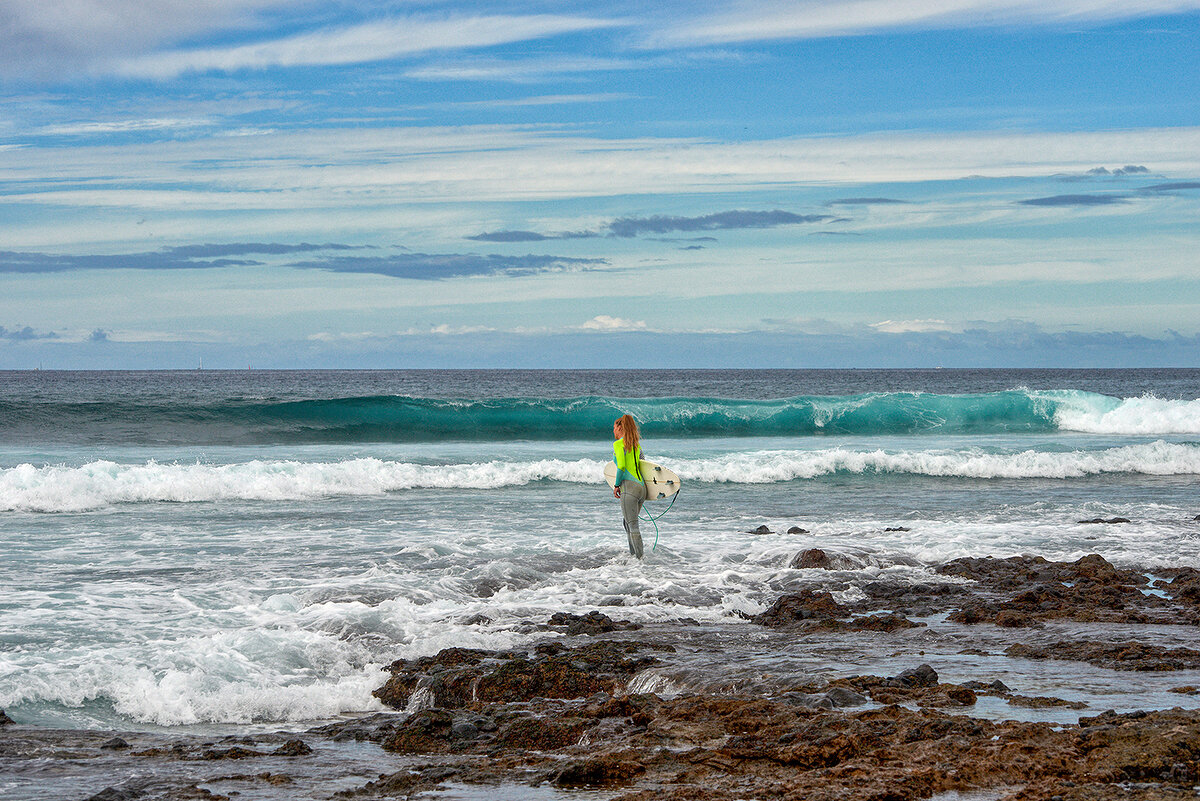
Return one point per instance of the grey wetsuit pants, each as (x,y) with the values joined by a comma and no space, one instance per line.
(633,494)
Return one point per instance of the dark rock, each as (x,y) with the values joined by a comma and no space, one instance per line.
(1042,702)
(115,744)
(591,623)
(113,794)
(920,676)
(5,720)
(1196,518)
(599,771)
(552,671)
(797,530)
(996,686)
(897,528)
(1105,520)
(812,558)
(1115,656)
(425,732)
(891,622)
(293,747)
(236,752)
(539,734)
(761,530)
(374,728)
(844,696)
(803,605)
(1012,619)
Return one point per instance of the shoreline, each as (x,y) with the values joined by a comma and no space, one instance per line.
(950,703)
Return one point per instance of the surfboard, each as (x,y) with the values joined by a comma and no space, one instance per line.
(660,482)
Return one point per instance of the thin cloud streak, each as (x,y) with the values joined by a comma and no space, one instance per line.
(767,21)
(184,257)
(371,41)
(1075,200)
(440,266)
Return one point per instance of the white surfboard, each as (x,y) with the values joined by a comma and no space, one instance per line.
(660,482)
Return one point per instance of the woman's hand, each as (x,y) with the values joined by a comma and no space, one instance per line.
(616,492)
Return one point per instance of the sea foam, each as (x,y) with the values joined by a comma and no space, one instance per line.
(95,485)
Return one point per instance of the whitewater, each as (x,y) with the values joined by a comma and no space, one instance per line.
(224,551)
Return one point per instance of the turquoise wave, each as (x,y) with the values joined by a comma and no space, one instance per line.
(386,418)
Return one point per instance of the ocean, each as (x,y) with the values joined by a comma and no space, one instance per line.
(240,551)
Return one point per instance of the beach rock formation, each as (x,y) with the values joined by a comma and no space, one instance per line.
(460,677)
(1115,656)
(592,623)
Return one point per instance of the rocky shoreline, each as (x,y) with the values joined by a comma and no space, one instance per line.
(565,712)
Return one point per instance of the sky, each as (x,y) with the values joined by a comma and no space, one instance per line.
(813,183)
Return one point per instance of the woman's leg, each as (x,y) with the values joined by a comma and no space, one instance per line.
(633,494)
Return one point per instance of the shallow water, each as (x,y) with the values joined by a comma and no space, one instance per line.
(161,575)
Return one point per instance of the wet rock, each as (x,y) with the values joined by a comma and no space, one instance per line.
(812,558)
(236,752)
(424,732)
(551,671)
(1115,656)
(885,623)
(293,747)
(592,623)
(114,794)
(5,720)
(804,605)
(996,686)
(114,744)
(1041,702)
(540,734)
(824,560)
(844,696)
(797,530)
(374,728)
(1105,520)
(920,676)
(602,771)
(761,530)
(897,528)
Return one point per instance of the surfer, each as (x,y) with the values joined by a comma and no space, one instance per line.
(627,453)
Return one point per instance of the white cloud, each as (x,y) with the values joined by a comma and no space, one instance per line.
(43,39)
(911,326)
(533,69)
(809,19)
(121,126)
(370,41)
(603,322)
(371,168)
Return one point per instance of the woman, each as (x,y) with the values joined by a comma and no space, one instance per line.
(627,453)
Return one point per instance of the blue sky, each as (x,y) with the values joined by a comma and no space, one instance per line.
(829,183)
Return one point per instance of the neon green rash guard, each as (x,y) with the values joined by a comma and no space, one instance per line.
(628,464)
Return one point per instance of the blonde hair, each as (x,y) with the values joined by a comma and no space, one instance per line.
(629,432)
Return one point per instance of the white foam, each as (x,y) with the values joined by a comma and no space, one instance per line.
(766,467)
(61,488)
(1147,415)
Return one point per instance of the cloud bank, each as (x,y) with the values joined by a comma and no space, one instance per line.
(439,266)
(369,41)
(1075,200)
(629,227)
(766,20)
(185,257)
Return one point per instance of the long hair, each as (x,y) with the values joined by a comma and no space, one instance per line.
(629,432)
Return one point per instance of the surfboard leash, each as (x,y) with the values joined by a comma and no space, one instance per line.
(655,520)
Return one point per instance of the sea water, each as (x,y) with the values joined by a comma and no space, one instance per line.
(211,550)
